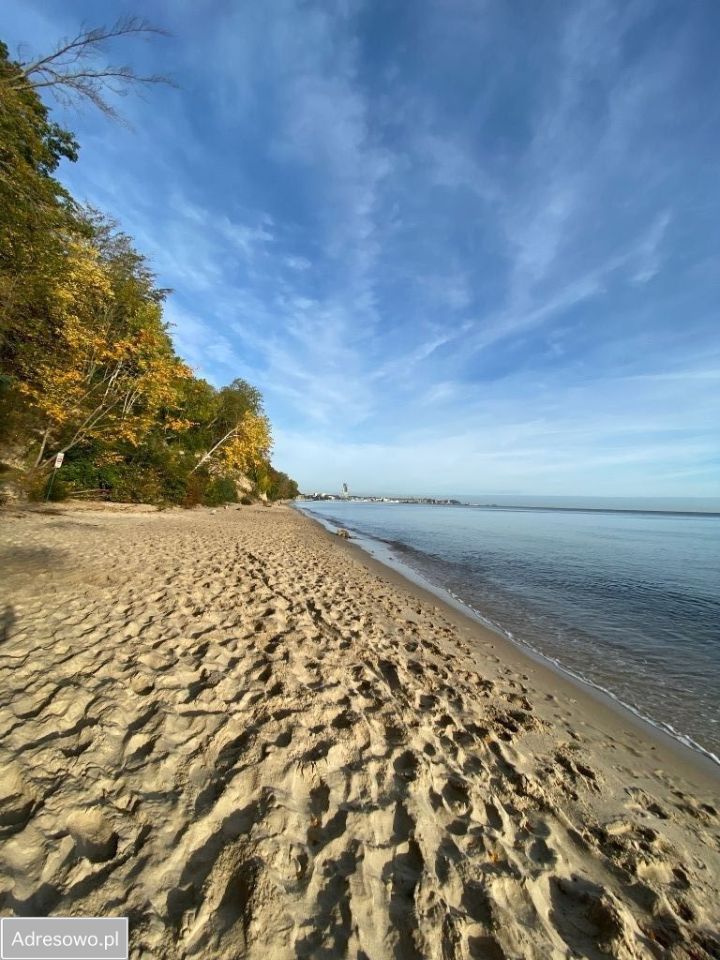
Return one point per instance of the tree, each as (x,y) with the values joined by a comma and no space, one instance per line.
(72,72)
(238,434)
(105,367)
(35,210)
(280,486)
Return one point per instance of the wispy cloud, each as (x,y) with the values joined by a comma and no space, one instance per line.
(649,250)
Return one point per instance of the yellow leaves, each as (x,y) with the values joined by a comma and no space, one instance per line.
(178,425)
(108,457)
(83,288)
(110,367)
(250,445)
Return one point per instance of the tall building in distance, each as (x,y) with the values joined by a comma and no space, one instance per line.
(345,490)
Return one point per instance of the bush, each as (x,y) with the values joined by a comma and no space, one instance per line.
(81,474)
(119,482)
(220,490)
(39,489)
(193,493)
(136,485)
(246,501)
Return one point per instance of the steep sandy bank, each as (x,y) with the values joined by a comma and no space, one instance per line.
(253,741)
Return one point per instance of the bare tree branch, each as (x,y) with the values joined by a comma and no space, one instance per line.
(73,73)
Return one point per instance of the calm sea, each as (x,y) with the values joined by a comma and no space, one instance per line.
(629,601)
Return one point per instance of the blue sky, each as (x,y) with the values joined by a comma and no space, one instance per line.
(461,246)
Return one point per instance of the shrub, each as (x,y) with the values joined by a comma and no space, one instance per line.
(136,485)
(193,492)
(246,501)
(39,489)
(220,490)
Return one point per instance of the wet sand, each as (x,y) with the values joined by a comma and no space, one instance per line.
(255,741)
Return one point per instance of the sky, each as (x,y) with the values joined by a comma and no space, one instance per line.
(461,246)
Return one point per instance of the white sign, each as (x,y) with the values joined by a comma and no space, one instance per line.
(59,460)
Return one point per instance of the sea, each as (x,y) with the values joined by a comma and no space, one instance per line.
(623,595)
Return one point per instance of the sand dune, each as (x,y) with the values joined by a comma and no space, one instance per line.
(231,728)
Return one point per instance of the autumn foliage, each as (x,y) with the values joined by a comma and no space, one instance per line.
(87,364)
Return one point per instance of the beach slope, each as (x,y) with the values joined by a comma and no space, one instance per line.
(253,741)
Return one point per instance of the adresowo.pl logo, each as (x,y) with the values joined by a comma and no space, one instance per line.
(63,938)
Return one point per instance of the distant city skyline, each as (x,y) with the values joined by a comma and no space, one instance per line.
(692,504)
(457,246)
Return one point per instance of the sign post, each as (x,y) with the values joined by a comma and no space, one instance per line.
(58,463)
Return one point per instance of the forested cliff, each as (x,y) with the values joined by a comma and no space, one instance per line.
(87,364)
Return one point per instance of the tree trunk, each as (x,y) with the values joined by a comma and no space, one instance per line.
(206,457)
(42,447)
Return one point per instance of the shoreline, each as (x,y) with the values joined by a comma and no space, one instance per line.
(522,655)
(586,687)
(253,739)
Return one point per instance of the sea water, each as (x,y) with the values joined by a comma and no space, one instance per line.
(626,600)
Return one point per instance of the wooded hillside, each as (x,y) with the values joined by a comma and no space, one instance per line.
(87,365)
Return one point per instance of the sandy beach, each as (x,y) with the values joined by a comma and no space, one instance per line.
(254,741)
